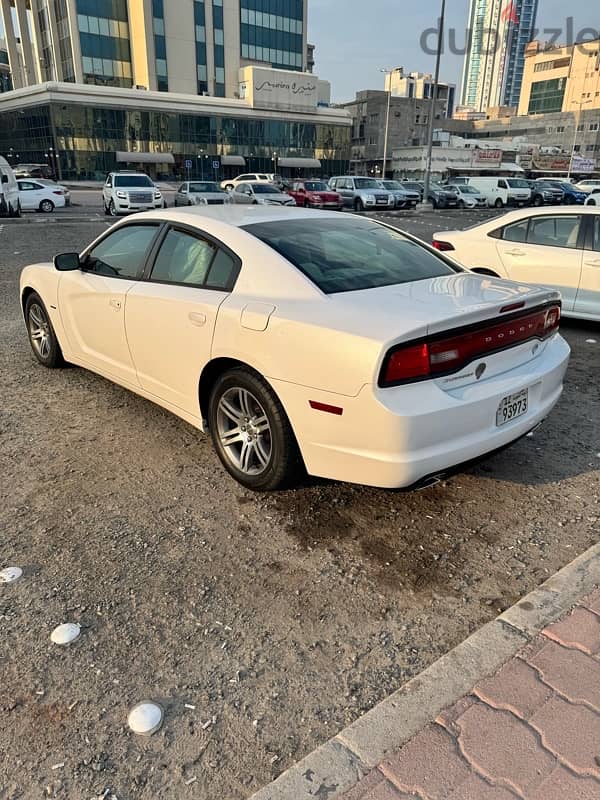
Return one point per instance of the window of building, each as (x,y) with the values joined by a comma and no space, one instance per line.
(593,126)
(547,96)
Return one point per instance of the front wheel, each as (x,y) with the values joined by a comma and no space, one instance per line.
(434,203)
(47,206)
(18,211)
(499,203)
(112,209)
(42,338)
(461,205)
(537,201)
(358,205)
(251,432)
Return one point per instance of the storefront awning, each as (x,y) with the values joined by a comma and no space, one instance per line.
(233,161)
(144,158)
(299,163)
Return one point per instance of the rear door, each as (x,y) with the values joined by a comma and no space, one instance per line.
(588,297)
(28,195)
(170,315)
(545,250)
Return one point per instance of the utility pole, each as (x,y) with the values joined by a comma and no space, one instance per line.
(434,92)
(388,73)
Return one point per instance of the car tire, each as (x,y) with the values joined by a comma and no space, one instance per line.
(42,337)
(112,209)
(434,203)
(229,187)
(538,201)
(46,206)
(461,205)
(499,203)
(269,458)
(18,211)
(358,205)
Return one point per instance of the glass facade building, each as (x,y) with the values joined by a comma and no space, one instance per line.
(160,45)
(104,39)
(87,138)
(498,33)
(273,31)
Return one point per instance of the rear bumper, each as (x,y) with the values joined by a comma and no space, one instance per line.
(393,438)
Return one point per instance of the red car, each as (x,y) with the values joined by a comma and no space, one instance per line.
(315,194)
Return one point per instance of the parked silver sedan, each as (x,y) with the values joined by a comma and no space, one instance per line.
(201,193)
(261,193)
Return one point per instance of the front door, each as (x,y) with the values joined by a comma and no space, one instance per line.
(92,300)
(170,317)
(30,195)
(545,251)
(588,296)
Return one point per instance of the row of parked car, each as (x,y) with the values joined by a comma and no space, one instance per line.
(29,194)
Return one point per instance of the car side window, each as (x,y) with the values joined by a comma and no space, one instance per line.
(109,181)
(122,253)
(183,258)
(517,232)
(182,188)
(596,235)
(26,186)
(554,231)
(502,185)
(223,272)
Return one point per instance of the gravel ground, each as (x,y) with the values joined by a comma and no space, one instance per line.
(262,624)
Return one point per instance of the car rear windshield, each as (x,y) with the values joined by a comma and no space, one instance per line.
(205,186)
(366,183)
(264,188)
(133,180)
(345,255)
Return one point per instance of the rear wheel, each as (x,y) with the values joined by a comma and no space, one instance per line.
(229,187)
(47,206)
(42,338)
(251,432)
(499,203)
(18,211)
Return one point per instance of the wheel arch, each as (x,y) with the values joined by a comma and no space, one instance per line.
(209,375)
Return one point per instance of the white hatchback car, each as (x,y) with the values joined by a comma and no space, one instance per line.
(304,338)
(558,248)
(37,196)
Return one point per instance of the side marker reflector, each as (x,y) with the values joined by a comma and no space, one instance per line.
(327,408)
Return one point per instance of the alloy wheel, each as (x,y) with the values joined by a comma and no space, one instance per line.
(244,431)
(39,331)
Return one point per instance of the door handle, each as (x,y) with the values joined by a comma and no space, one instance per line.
(595,263)
(114,303)
(197,318)
(514,252)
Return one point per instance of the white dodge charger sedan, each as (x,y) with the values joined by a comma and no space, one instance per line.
(304,340)
(555,247)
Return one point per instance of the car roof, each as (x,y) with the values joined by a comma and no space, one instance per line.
(234,215)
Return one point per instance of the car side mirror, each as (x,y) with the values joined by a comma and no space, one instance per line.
(67,262)
(183,191)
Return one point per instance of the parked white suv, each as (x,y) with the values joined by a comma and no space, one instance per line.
(126,192)
(254,177)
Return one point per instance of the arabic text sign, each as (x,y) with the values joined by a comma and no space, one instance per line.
(280,90)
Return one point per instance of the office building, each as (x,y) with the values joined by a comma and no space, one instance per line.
(419,85)
(182,46)
(499,31)
(91,130)
(408,124)
(561,78)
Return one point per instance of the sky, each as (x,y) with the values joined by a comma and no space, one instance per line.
(355,39)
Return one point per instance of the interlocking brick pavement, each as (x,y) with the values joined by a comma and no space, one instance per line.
(530,732)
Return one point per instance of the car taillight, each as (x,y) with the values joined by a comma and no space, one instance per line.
(442,355)
(57,191)
(443,246)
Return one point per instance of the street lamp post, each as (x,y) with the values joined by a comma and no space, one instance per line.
(579,103)
(387,72)
(434,92)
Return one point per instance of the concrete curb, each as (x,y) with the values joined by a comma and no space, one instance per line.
(338,765)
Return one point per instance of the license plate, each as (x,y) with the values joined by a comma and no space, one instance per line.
(511,407)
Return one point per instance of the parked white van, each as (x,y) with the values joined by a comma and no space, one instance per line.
(501,192)
(10,205)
